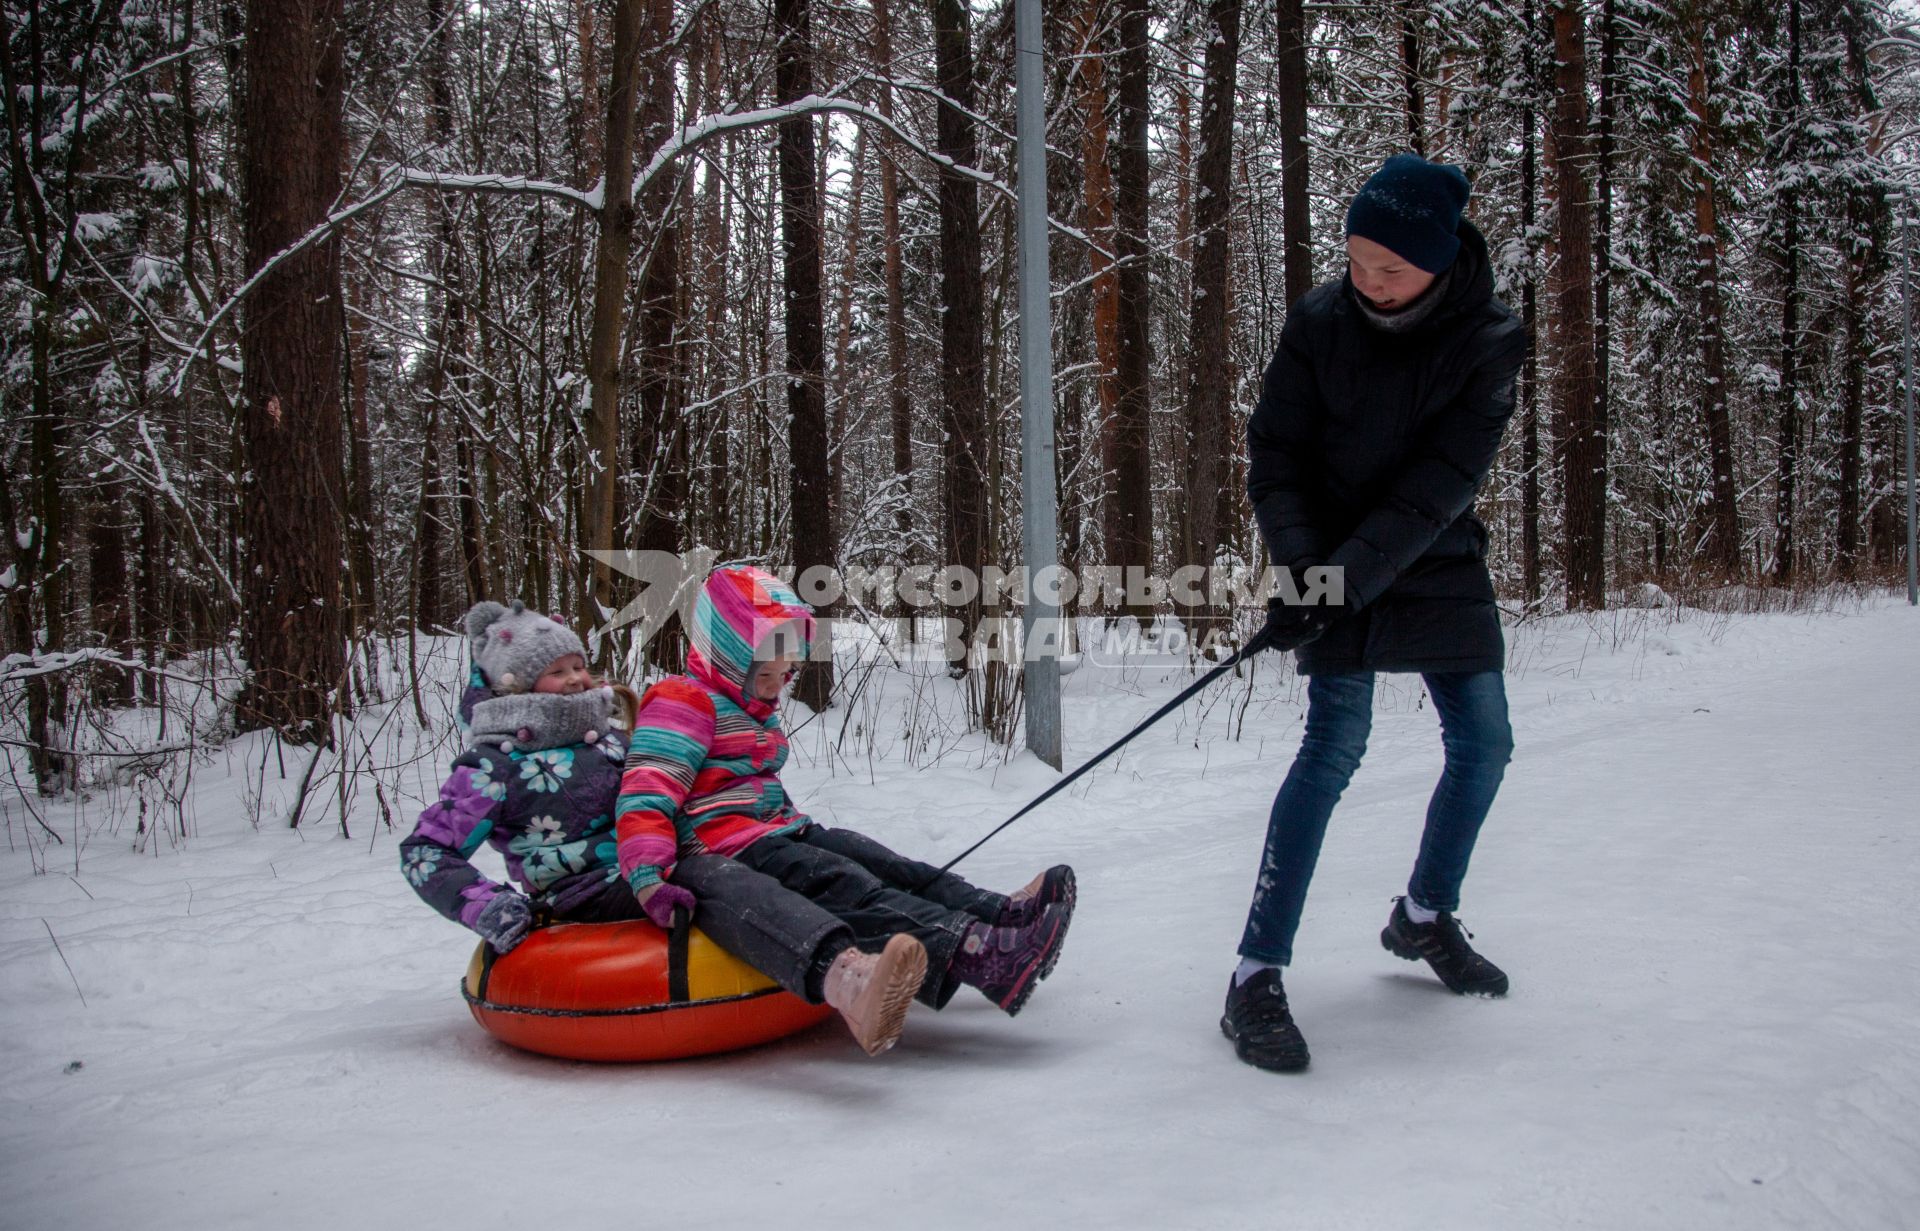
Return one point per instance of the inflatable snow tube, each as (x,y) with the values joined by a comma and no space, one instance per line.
(628,991)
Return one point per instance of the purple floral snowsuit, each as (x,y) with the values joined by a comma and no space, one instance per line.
(548,812)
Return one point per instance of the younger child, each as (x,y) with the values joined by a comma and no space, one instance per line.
(702,778)
(538,782)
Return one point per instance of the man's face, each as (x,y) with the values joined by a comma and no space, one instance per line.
(1387,279)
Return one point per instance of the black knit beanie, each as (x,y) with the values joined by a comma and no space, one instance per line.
(1412,207)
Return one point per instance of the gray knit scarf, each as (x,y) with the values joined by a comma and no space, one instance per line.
(530,721)
(1404,320)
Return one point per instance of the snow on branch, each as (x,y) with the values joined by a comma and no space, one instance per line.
(192,49)
(392,181)
(706,128)
(694,135)
(15,667)
(412,177)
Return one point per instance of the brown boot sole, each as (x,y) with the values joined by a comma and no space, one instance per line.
(881,1012)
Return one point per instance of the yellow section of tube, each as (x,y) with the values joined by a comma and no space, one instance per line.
(714,974)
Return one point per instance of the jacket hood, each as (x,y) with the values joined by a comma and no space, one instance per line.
(737,608)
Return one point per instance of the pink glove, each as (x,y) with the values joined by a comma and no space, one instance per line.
(662,900)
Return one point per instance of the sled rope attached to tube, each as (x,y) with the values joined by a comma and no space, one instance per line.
(1242,654)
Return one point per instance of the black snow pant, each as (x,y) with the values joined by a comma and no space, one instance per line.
(788,906)
(865,902)
(747,913)
(899,872)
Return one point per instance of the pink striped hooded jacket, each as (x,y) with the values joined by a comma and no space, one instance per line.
(703,764)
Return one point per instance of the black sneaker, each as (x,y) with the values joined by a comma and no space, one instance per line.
(1261,1027)
(1443,945)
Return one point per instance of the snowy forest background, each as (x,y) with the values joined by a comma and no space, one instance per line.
(325,318)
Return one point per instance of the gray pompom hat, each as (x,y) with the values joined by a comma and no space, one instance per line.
(513,646)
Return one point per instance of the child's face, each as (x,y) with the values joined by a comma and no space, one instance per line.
(770,675)
(566,674)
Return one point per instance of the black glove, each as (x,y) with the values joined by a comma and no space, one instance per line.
(1290,625)
(505,921)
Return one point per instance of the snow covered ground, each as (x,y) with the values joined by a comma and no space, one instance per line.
(1700,876)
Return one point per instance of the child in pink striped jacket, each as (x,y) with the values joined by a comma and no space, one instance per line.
(703,823)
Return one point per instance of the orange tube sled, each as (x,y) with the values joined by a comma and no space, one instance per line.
(628,991)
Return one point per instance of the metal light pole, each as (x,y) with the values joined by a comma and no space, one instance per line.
(1906,354)
(1038,533)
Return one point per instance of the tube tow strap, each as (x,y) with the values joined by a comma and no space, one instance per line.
(1246,651)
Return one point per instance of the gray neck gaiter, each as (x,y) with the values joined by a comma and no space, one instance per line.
(1402,320)
(532,721)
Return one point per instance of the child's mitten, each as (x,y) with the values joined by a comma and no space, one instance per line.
(505,921)
(662,900)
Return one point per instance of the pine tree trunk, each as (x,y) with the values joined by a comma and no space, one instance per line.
(1073,316)
(660,458)
(1860,290)
(473,537)
(1230,495)
(1183,168)
(1786,472)
(1529,315)
(1411,78)
(660,443)
(111,616)
(844,383)
(591,118)
(962,348)
(294,625)
(155,628)
(1723,532)
(429,598)
(715,209)
(38,542)
(365,604)
(613,247)
(1853,376)
(1787,466)
(805,321)
(1581,443)
(1096,154)
(1296,214)
(1130,501)
(1208,385)
(1886,523)
(1603,258)
(899,393)
(42,554)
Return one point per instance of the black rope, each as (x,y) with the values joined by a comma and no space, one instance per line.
(1244,652)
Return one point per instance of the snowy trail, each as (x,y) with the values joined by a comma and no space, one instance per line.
(1699,875)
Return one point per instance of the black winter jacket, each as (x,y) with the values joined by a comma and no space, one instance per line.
(1366,451)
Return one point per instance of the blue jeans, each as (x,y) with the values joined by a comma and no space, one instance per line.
(1479,743)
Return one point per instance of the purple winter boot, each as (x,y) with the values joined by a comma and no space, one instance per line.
(1053,887)
(1005,963)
